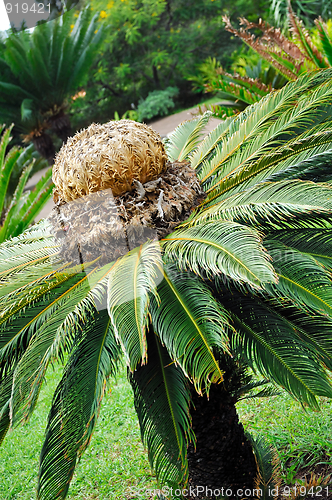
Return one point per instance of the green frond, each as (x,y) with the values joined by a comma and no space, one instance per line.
(5,393)
(325,39)
(23,209)
(270,204)
(313,330)
(268,476)
(257,118)
(34,245)
(267,166)
(269,340)
(257,138)
(302,279)
(76,405)
(191,324)
(260,389)
(314,239)
(235,89)
(7,164)
(49,331)
(130,281)
(184,140)
(162,405)
(221,247)
(209,143)
(303,37)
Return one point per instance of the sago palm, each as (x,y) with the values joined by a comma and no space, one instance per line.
(243,280)
(40,71)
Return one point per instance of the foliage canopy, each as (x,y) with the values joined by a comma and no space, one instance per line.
(248,273)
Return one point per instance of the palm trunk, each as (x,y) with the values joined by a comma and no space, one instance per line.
(44,145)
(223,457)
(61,126)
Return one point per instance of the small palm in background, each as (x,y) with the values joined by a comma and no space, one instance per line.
(40,72)
(245,281)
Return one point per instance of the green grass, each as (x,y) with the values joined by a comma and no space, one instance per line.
(301,437)
(115,464)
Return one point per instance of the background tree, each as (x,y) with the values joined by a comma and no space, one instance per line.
(151,45)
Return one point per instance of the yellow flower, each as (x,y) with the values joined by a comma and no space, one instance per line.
(96,31)
(72,26)
(110,5)
(103,14)
(154,14)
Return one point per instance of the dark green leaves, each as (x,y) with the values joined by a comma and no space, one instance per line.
(271,341)
(221,247)
(191,324)
(130,281)
(162,405)
(75,406)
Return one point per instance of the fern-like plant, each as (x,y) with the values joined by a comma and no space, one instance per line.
(245,278)
(19,209)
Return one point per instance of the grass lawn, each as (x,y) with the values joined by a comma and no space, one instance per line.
(115,461)
(302,438)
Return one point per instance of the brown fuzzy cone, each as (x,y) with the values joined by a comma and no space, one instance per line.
(108,156)
(106,227)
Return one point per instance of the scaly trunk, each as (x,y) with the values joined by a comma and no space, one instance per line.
(224,457)
(44,145)
(60,124)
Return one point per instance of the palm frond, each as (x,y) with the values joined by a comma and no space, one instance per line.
(209,143)
(264,127)
(270,204)
(7,164)
(302,36)
(302,279)
(5,393)
(221,247)
(310,238)
(268,166)
(162,404)
(267,338)
(76,405)
(129,283)
(325,39)
(23,209)
(184,140)
(191,324)
(268,467)
(34,245)
(49,333)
